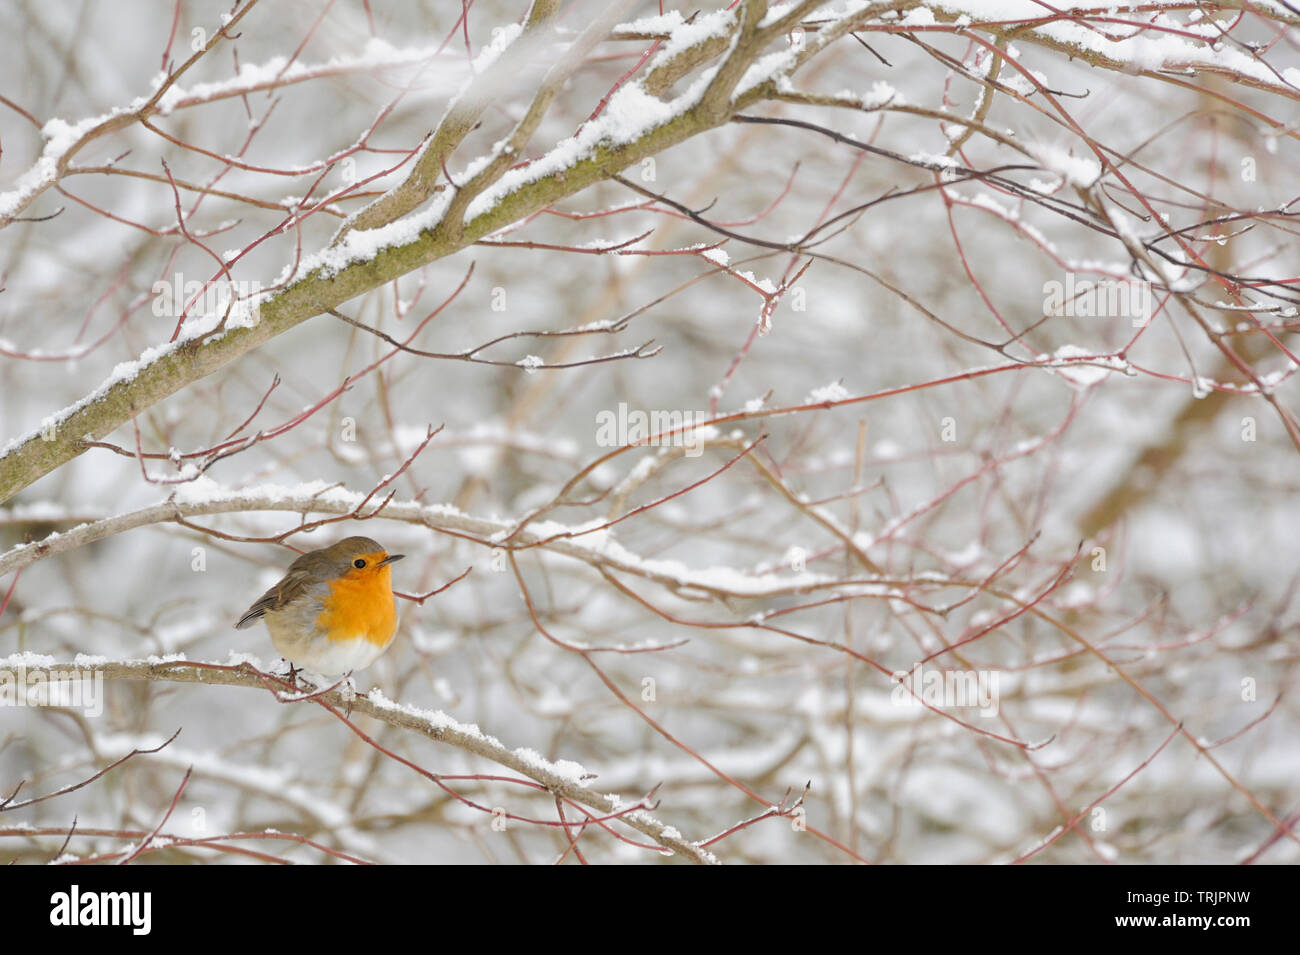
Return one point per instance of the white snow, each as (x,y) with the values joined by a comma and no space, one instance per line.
(1081,172)
(835,391)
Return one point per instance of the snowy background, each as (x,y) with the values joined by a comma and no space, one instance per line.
(917,451)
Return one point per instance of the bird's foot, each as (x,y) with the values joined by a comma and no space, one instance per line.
(349,691)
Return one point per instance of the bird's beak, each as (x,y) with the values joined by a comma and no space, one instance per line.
(390,558)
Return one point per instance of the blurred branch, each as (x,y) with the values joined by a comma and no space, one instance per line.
(347,270)
(436,726)
(462,116)
(334,500)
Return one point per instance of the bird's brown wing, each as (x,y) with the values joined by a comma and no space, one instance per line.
(293,584)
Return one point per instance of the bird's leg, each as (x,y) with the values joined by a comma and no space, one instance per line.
(350,691)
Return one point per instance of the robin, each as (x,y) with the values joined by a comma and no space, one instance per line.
(333,612)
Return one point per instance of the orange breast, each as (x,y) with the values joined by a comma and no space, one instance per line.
(360,605)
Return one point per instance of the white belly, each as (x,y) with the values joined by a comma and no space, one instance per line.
(331,656)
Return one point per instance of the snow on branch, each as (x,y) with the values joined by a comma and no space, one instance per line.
(565,779)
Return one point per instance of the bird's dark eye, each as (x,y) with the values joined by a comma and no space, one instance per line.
(358,563)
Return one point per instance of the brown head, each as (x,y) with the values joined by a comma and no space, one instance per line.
(352,557)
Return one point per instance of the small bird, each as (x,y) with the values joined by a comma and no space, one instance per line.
(333,612)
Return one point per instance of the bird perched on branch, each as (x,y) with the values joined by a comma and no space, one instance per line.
(333,611)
